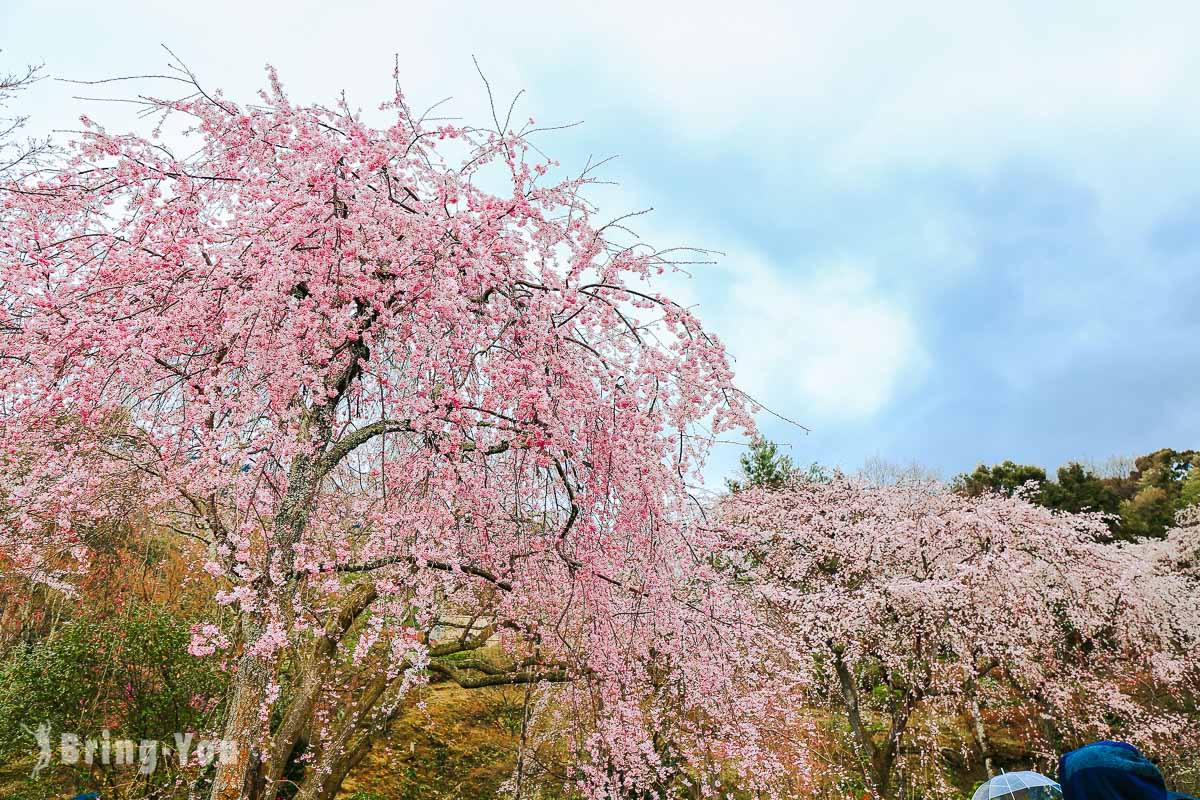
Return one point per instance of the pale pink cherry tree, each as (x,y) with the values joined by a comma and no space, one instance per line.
(910,606)
(1165,575)
(381,403)
(1179,553)
(19,557)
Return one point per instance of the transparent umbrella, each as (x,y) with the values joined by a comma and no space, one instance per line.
(1018,786)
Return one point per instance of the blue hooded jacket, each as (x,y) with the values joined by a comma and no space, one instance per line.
(1112,771)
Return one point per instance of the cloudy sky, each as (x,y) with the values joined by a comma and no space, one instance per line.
(950,235)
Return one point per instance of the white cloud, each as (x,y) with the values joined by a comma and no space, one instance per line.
(1104,93)
(855,87)
(823,344)
(817,341)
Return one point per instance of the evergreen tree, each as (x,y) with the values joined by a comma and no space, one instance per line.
(762,466)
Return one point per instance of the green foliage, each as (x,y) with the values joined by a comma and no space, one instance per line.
(1189,492)
(1165,468)
(762,467)
(1005,478)
(1079,489)
(1147,513)
(129,673)
(32,790)
(1143,504)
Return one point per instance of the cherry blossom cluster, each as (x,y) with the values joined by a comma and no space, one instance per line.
(327,357)
(912,604)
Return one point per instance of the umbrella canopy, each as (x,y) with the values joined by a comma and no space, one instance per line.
(1018,786)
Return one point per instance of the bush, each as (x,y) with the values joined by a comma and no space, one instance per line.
(128,673)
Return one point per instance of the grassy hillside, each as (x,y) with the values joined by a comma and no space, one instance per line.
(457,743)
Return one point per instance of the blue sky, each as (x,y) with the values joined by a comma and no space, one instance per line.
(951,235)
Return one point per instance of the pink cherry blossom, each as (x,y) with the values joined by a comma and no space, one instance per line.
(363,387)
(915,606)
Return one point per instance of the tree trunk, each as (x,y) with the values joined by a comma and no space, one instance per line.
(981,738)
(326,785)
(244,777)
(353,740)
(877,763)
(240,778)
(311,676)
